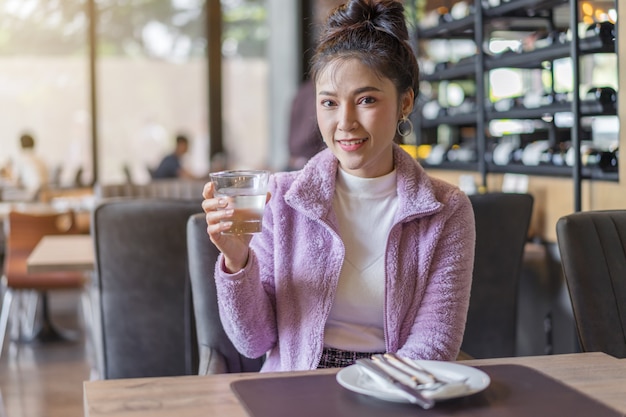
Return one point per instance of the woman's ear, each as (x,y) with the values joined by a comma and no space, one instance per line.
(408,99)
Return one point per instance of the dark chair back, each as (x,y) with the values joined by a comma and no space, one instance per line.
(180,189)
(217,353)
(502,222)
(593,255)
(143,291)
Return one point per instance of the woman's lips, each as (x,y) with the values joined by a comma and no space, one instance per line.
(350,145)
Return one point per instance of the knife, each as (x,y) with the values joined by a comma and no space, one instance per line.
(415,380)
(413,395)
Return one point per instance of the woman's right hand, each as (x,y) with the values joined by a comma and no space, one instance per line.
(235,248)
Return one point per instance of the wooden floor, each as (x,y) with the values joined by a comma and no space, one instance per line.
(45,379)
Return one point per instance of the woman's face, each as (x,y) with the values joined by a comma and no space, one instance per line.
(357,113)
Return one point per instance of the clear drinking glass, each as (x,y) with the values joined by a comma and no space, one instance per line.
(246,192)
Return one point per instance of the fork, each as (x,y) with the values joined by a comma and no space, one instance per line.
(420,369)
(418,383)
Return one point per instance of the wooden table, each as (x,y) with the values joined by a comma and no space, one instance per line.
(28,207)
(600,376)
(62,253)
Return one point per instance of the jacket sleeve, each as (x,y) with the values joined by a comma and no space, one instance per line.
(246,299)
(441,313)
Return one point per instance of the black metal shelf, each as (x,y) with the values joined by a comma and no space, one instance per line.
(588,173)
(534,59)
(453,120)
(587,108)
(452,166)
(454,72)
(461,28)
(516,8)
(543,170)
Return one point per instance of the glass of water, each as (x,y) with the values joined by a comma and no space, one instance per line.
(246,192)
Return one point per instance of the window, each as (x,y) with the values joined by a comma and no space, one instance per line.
(151,85)
(44,85)
(245,85)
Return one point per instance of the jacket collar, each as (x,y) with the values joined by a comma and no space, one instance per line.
(313,189)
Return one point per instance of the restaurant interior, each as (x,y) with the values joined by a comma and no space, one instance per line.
(105,309)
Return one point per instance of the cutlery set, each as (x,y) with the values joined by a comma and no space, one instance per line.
(412,380)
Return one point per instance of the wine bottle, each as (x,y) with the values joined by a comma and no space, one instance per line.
(609,161)
(604,30)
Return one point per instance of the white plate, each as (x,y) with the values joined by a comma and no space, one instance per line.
(356,379)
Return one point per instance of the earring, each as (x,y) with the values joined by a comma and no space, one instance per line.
(405,127)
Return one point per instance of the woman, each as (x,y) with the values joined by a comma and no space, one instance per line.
(361,251)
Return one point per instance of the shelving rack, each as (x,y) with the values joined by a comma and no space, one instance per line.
(474,27)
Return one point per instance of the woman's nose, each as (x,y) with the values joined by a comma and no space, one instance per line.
(347,119)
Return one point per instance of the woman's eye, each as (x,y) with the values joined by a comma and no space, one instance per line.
(367,100)
(327,103)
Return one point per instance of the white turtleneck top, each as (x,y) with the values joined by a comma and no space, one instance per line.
(365,209)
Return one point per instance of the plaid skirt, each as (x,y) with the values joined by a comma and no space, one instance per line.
(335,358)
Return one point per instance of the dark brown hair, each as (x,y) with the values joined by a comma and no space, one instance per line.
(375,33)
(181,138)
(27,141)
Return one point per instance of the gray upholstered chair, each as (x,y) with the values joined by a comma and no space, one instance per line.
(502,222)
(593,255)
(217,354)
(142,295)
(183,189)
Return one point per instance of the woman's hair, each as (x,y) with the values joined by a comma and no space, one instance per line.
(375,33)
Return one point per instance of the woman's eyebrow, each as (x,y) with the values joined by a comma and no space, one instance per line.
(359,90)
(366,89)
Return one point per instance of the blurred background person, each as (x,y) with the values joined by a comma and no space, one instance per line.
(28,170)
(171,166)
(305,139)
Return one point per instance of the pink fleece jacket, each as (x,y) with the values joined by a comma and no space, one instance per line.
(278,304)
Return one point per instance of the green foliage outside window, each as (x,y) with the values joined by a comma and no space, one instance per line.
(144,28)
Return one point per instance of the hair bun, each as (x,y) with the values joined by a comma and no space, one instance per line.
(384,15)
